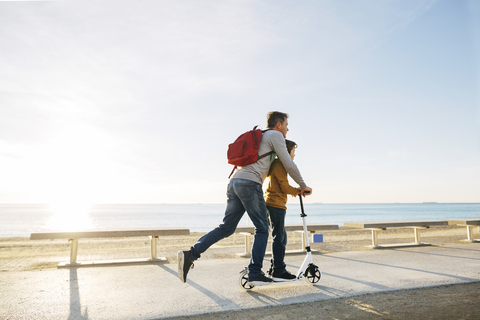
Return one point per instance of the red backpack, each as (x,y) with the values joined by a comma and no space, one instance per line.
(245,149)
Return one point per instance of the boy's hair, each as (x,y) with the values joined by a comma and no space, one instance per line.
(274,117)
(290,145)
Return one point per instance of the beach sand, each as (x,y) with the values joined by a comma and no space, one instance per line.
(460,301)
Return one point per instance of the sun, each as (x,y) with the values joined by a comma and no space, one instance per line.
(74,168)
(70,216)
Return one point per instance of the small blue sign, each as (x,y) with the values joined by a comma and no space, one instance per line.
(317,238)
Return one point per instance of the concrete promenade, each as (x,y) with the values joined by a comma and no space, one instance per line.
(154,291)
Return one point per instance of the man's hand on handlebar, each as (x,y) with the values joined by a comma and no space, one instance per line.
(306,191)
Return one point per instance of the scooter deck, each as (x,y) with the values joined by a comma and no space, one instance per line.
(276,283)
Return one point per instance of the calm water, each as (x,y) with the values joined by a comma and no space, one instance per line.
(19,220)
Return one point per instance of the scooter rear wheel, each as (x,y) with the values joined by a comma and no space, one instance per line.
(313,275)
(244,280)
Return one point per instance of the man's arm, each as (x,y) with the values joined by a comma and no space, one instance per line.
(279,173)
(278,145)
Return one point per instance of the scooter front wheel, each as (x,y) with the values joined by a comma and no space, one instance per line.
(313,275)
(244,280)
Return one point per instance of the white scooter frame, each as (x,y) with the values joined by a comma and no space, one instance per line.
(308,270)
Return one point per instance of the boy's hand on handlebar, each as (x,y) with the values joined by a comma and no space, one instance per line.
(306,191)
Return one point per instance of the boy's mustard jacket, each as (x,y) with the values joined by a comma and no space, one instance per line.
(278,186)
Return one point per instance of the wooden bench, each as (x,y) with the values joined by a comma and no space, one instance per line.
(417,225)
(249,230)
(74,236)
(470,223)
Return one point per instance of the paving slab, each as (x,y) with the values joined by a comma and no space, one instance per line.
(154,291)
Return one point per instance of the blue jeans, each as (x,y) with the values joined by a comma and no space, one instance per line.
(279,235)
(242,195)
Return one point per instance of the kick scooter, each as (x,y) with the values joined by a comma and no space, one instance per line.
(307,270)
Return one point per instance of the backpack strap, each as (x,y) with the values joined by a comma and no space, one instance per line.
(234,168)
(268,153)
(265,155)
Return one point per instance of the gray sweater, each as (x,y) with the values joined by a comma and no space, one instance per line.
(272,140)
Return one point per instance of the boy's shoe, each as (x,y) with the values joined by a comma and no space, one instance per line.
(184,264)
(286,276)
(259,280)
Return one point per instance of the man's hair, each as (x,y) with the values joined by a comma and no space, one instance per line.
(290,145)
(274,117)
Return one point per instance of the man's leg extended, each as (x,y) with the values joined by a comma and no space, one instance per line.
(233,213)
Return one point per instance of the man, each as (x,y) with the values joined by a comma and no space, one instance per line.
(244,193)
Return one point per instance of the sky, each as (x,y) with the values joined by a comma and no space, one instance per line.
(137,101)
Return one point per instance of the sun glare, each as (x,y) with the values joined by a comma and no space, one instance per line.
(74,166)
(70,216)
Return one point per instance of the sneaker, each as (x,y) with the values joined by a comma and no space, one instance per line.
(184,264)
(286,276)
(259,280)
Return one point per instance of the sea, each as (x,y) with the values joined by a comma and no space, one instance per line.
(20,220)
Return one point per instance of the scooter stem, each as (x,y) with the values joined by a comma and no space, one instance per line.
(301,207)
(308,258)
(305,231)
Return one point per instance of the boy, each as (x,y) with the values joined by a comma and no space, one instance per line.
(276,200)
